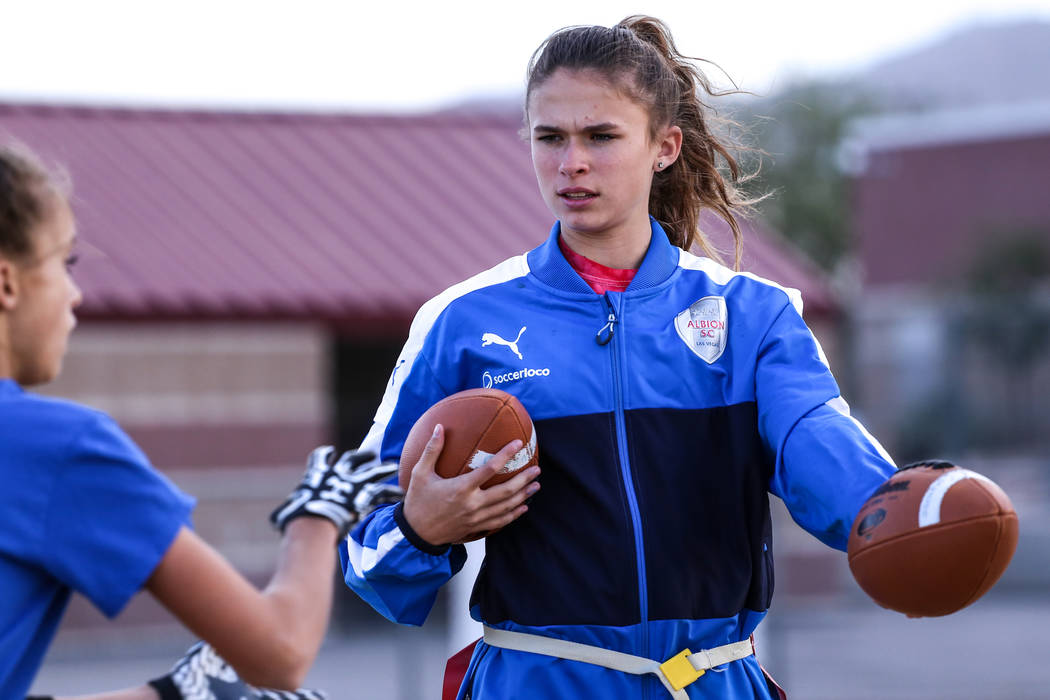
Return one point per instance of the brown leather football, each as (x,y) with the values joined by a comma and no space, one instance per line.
(478,423)
(933,539)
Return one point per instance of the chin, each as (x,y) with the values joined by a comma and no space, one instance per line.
(583,223)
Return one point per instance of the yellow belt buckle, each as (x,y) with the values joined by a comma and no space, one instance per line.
(678,671)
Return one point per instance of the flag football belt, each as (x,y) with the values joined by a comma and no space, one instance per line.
(676,673)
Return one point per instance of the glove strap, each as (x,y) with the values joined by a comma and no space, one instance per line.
(165,688)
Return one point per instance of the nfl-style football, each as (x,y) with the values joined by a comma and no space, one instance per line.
(933,539)
(478,423)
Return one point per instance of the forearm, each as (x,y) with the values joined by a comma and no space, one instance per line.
(291,613)
(141,693)
(827,468)
(270,637)
(300,592)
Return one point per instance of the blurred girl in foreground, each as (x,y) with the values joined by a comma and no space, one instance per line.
(83,510)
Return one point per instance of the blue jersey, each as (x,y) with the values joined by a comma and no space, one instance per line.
(665,415)
(82,510)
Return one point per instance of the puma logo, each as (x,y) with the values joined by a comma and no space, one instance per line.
(490,338)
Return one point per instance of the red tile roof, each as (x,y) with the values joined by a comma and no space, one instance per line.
(354,218)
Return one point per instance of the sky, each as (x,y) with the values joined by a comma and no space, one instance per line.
(414,56)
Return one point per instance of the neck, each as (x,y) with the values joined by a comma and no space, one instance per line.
(7,368)
(622,252)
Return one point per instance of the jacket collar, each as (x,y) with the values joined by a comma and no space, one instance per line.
(549,265)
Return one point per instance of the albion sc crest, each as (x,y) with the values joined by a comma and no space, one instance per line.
(703,327)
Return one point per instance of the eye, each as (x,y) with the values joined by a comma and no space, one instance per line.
(549,139)
(602,137)
(71,260)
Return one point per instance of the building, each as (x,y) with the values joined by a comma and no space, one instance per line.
(952,216)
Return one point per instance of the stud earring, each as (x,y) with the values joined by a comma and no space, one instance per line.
(660,165)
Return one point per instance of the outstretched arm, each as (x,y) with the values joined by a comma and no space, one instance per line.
(825,462)
(272,636)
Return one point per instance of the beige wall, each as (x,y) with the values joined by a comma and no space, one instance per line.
(199,373)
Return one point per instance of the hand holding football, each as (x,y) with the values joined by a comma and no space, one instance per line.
(472,477)
(478,423)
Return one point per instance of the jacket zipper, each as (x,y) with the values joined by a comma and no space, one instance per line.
(625,466)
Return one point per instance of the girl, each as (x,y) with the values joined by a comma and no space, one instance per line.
(84,510)
(670,396)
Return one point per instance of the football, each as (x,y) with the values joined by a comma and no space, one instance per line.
(932,540)
(478,423)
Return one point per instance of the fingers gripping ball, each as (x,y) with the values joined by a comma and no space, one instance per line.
(933,539)
(477,423)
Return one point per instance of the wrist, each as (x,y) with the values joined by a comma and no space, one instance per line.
(413,536)
(311,526)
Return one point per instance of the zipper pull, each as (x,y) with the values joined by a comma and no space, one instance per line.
(605,333)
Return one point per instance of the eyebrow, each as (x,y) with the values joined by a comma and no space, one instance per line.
(604,126)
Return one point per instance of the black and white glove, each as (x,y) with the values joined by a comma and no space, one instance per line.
(203,675)
(343,491)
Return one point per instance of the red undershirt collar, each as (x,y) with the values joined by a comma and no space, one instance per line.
(600,278)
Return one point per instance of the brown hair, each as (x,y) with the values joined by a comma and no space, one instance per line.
(27,187)
(639,56)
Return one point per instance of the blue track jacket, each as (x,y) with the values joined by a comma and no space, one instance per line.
(665,415)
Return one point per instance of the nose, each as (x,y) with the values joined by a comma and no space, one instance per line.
(76,296)
(573,161)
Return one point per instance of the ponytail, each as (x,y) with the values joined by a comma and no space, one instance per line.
(640,57)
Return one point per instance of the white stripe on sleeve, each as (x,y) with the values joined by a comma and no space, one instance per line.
(427,315)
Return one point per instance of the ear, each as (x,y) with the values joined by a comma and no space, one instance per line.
(8,285)
(669,142)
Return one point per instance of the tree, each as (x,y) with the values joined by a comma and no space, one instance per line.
(800,131)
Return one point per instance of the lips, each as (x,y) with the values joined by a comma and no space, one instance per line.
(576,192)
(577,195)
